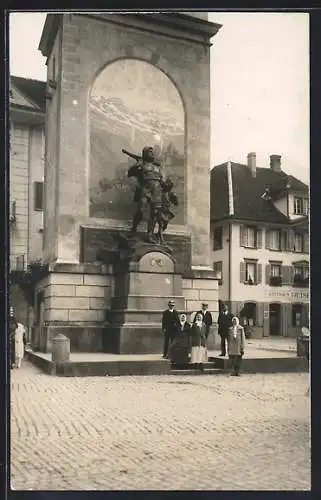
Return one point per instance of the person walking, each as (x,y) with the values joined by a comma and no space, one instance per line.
(20,342)
(207,317)
(198,342)
(236,345)
(170,326)
(224,322)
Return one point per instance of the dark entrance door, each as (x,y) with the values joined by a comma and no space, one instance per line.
(275,319)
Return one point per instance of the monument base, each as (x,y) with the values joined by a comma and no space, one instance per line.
(133,339)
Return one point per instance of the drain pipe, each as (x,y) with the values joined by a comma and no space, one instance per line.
(231,213)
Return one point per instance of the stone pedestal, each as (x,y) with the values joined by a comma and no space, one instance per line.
(122,81)
(145,280)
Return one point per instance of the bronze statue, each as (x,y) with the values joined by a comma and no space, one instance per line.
(165,214)
(151,194)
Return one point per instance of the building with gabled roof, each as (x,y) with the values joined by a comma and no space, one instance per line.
(27,150)
(260,245)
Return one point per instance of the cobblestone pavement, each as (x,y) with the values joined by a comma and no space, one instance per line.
(159,432)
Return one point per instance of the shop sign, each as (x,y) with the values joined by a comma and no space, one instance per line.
(276,293)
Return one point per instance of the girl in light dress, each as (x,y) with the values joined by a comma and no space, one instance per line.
(198,341)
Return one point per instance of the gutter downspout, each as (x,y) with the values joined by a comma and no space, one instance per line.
(231,213)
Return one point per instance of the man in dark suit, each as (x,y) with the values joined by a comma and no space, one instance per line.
(224,322)
(207,317)
(170,325)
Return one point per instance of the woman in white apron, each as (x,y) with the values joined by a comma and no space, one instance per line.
(20,341)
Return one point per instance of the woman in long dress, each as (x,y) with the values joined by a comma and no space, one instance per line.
(179,349)
(198,339)
(20,341)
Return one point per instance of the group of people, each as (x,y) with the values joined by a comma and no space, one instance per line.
(17,342)
(186,341)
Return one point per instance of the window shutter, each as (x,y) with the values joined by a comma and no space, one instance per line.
(306,243)
(259,238)
(267,238)
(284,239)
(259,274)
(260,314)
(242,272)
(291,274)
(285,275)
(242,236)
(267,273)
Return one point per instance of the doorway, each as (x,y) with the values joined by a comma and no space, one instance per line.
(275,319)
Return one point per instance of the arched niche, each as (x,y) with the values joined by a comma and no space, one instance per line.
(133,104)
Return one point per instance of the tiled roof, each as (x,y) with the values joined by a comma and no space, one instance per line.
(34,90)
(247,192)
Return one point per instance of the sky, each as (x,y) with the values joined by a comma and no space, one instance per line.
(259,83)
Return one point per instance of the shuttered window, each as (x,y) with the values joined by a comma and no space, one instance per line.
(298,242)
(217,267)
(274,274)
(250,237)
(20,262)
(250,272)
(218,238)
(301,275)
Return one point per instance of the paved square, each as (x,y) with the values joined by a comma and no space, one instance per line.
(159,432)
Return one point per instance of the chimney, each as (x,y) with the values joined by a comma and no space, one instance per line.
(251,163)
(275,163)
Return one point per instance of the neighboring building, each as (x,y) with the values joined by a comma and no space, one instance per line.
(260,235)
(27,151)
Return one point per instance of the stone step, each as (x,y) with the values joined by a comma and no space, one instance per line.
(207,371)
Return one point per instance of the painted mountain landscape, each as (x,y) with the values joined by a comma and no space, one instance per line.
(132,105)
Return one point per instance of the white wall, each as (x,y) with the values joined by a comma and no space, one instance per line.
(36,175)
(282,205)
(261,293)
(19,172)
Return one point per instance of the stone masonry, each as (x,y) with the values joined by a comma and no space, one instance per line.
(83,45)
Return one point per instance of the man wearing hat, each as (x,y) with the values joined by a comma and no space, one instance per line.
(170,325)
(207,317)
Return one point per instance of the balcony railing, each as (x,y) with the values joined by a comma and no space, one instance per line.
(300,282)
(275,281)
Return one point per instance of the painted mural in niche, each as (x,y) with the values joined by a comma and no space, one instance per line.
(133,104)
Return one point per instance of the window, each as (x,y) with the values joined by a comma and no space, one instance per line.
(300,206)
(297,310)
(275,278)
(274,239)
(38,195)
(298,242)
(301,275)
(20,262)
(217,266)
(305,206)
(218,238)
(250,237)
(250,272)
